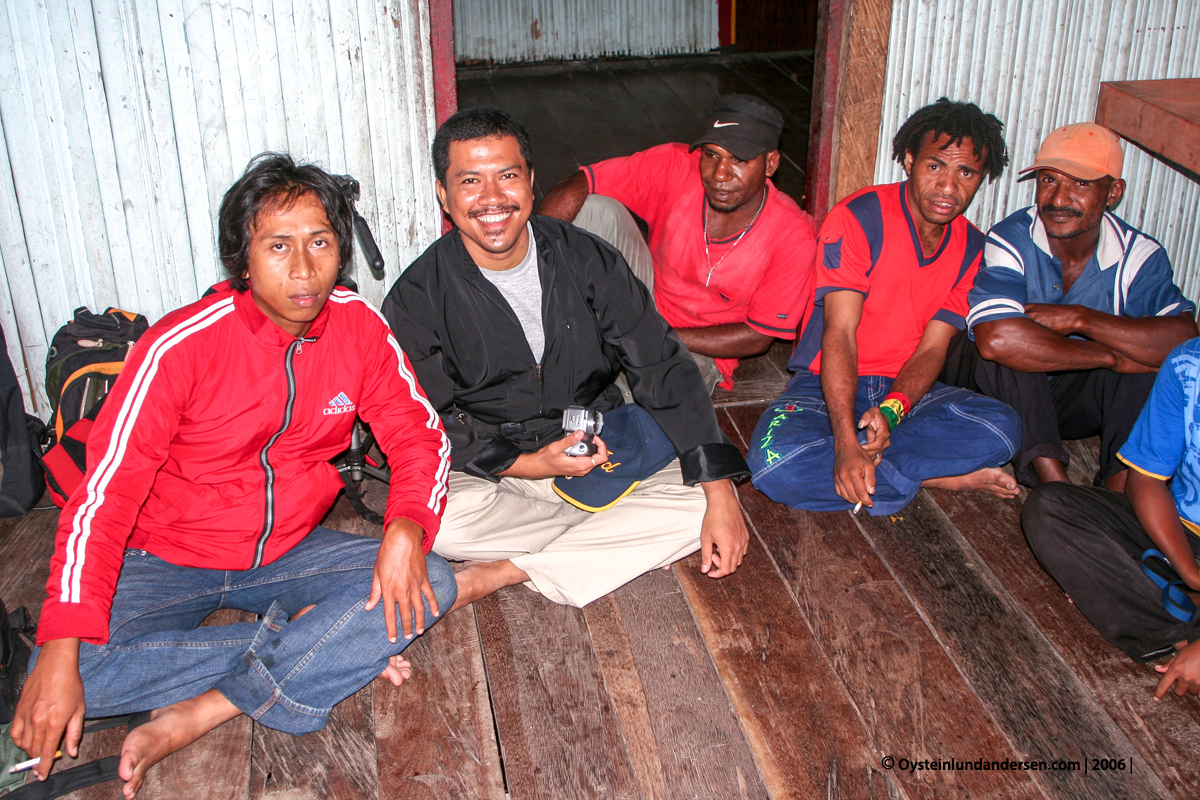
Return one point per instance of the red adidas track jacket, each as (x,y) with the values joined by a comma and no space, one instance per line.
(212,449)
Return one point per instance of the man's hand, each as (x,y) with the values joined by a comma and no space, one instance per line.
(400,577)
(51,703)
(1061,318)
(1183,670)
(879,433)
(723,534)
(552,460)
(854,474)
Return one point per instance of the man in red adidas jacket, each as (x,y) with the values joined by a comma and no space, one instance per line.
(208,471)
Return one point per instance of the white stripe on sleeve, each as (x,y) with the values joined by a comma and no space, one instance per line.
(438,494)
(1141,251)
(999,253)
(993,307)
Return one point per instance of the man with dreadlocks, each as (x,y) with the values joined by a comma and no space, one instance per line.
(1068,288)
(863,422)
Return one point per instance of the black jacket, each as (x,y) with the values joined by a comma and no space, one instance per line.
(473,361)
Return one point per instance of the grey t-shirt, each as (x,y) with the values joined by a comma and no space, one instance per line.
(522,288)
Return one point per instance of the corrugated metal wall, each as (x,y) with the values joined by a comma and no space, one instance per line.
(533,30)
(124,122)
(1038,64)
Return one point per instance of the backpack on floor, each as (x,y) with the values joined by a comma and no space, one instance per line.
(85,357)
(20,469)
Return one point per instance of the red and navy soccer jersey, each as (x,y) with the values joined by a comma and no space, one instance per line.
(870,244)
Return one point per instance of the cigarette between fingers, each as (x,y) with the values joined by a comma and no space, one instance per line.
(857,508)
(30,764)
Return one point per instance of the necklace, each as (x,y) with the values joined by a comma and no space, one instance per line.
(707,257)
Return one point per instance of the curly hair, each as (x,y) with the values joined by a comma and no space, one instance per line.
(958,121)
(275,180)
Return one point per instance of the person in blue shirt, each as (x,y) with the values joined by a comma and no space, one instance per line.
(1114,554)
(1072,311)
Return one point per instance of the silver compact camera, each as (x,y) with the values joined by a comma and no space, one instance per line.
(582,418)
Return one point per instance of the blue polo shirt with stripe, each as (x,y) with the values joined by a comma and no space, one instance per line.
(1129,274)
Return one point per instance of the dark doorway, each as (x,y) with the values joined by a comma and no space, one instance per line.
(583,112)
(771,26)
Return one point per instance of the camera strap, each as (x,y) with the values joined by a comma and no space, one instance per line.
(535,427)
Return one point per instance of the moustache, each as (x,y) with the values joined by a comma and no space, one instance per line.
(479,212)
(1072,212)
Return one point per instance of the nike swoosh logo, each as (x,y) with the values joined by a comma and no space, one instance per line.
(719,124)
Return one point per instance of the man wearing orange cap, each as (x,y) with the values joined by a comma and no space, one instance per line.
(1072,312)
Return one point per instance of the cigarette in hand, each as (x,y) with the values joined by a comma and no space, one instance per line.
(30,764)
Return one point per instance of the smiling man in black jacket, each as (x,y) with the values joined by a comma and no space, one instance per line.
(507,321)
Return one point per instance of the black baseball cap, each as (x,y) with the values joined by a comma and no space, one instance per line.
(743,124)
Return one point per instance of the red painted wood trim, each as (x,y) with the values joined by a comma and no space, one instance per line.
(441,40)
(724,22)
(824,116)
(445,74)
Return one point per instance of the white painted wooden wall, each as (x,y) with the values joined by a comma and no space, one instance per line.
(124,122)
(1037,65)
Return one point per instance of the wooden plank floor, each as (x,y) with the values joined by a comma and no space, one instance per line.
(930,634)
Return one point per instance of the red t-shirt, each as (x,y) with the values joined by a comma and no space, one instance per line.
(869,244)
(764,281)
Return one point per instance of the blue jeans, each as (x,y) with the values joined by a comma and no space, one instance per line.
(949,432)
(287,674)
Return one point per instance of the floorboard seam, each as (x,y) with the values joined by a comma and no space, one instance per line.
(492,706)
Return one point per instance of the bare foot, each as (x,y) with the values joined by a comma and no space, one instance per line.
(478,579)
(169,730)
(992,480)
(397,670)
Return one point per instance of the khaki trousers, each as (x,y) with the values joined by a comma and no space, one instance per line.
(571,556)
(612,222)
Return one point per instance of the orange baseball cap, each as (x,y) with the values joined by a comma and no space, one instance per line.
(1084,151)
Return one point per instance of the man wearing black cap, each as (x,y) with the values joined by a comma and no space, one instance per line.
(730,256)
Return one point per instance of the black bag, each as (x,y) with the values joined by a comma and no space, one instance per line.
(14,658)
(20,468)
(85,357)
